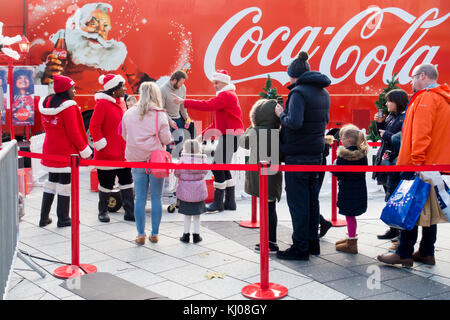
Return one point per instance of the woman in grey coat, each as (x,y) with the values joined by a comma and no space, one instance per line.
(265,127)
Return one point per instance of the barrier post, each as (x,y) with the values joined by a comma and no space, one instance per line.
(334,219)
(254,222)
(75,269)
(264,290)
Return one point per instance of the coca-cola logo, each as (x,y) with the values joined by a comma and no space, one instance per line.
(403,57)
(22,114)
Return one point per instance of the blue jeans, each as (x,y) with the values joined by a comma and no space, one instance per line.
(142,181)
(302,192)
(178,137)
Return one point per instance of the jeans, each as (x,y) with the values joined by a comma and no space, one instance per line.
(142,181)
(302,192)
(178,136)
(408,239)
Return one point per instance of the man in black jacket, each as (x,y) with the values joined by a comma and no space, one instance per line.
(303,124)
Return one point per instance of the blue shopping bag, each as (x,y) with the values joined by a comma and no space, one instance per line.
(406,203)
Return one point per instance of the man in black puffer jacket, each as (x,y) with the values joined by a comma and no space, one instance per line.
(303,124)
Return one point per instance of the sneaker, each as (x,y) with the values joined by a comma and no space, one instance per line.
(273,248)
(293,254)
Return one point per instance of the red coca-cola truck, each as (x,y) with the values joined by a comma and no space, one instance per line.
(358,44)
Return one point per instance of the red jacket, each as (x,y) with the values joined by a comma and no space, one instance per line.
(64,133)
(227,113)
(108,143)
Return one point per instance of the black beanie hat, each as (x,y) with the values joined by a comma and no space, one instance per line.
(299,65)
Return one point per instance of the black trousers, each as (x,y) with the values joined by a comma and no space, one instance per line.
(107,178)
(228,145)
(59,177)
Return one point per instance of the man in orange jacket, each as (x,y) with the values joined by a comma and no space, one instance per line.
(424,141)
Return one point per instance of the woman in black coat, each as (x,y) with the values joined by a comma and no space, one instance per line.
(397,100)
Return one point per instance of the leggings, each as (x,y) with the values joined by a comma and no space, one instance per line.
(351,226)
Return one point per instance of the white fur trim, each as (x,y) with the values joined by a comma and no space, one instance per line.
(54,111)
(220,186)
(217,76)
(50,187)
(56,170)
(126,186)
(229,87)
(100,144)
(63,189)
(100,188)
(86,152)
(104,96)
(230,183)
(114,82)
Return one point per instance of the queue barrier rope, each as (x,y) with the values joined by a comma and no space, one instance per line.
(263,290)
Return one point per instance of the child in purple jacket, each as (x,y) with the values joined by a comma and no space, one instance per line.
(191,190)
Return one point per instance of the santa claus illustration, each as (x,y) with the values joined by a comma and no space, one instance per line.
(83,51)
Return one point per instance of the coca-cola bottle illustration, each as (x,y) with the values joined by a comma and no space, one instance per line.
(57,60)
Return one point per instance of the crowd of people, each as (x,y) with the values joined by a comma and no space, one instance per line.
(127,129)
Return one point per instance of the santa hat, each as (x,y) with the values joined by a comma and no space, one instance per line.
(62,83)
(222,76)
(109,81)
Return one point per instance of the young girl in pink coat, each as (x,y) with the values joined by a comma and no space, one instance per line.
(191,190)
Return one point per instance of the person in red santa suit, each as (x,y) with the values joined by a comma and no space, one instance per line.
(64,136)
(84,51)
(227,123)
(109,145)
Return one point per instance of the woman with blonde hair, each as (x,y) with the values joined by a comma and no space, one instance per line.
(140,125)
(352,194)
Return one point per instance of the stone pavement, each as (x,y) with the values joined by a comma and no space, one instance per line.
(179,271)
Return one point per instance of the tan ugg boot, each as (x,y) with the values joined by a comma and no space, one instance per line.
(349,246)
(341,241)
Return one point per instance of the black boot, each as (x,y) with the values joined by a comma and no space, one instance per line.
(185,238)
(217,205)
(230,202)
(62,211)
(196,238)
(389,234)
(314,247)
(103,198)
(128,203)
(47,200)
(325,225)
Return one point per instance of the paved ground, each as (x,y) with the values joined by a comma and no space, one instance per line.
(179,271)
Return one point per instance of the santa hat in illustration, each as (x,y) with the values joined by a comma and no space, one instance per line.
(109,81)
(62,83)
(222,76)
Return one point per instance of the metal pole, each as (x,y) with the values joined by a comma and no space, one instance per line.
(11,96)
(264,231)
(75,209)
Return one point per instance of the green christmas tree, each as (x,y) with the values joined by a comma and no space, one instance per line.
(381,105)
(270,92)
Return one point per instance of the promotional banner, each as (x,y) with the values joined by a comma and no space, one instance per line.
(358,44)
(23,96)
(4,88)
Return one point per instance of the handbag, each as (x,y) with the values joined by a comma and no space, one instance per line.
(159,156)
(442,193)
(403,208)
